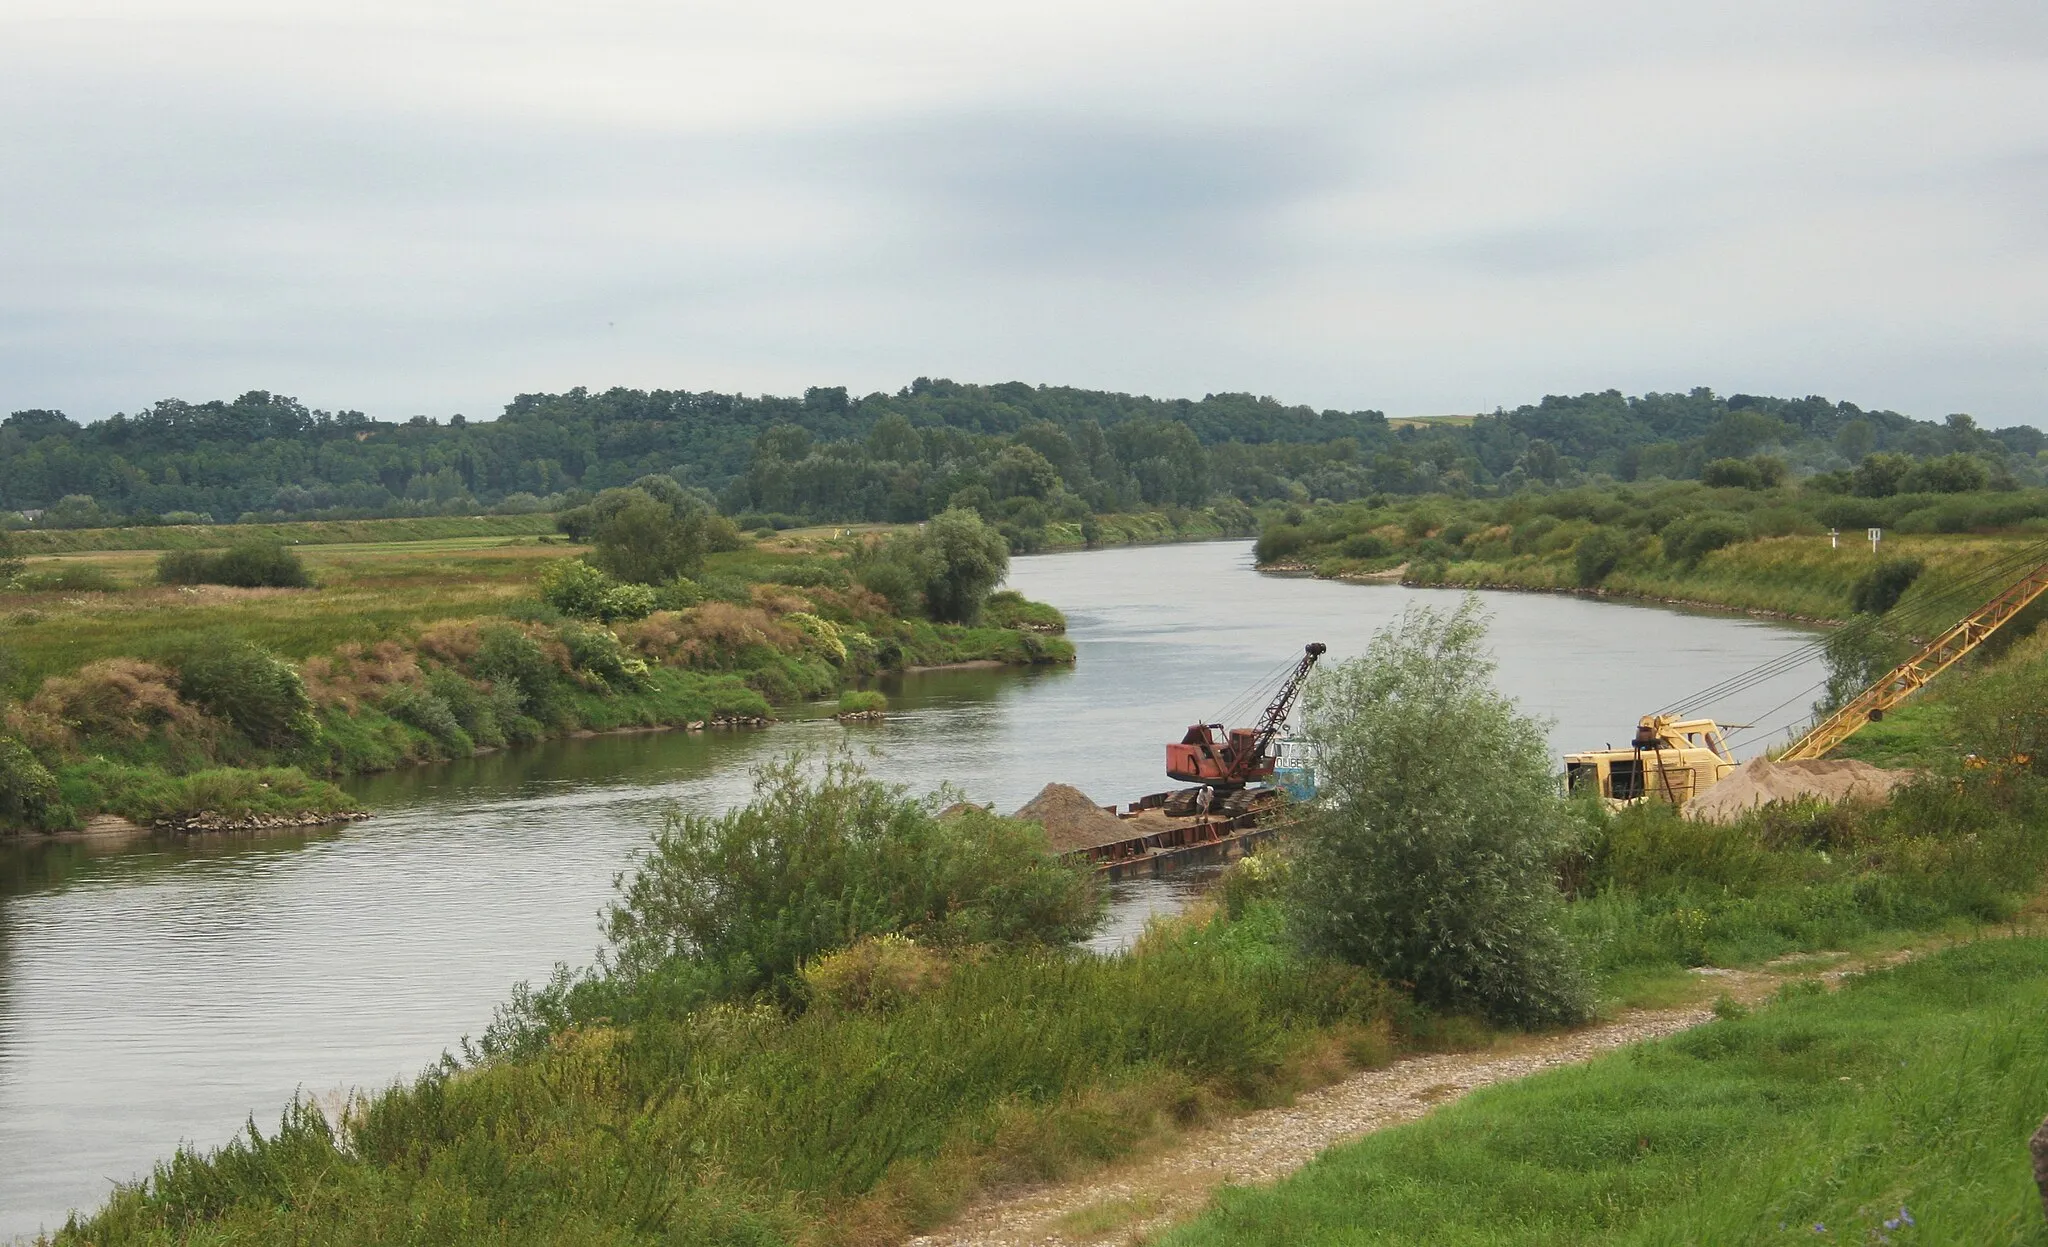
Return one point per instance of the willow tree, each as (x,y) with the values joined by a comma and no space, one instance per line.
(1432,861)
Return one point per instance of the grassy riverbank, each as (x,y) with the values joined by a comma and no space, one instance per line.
(766,1089)
(1763,550)
(1896,1110)
(163,702)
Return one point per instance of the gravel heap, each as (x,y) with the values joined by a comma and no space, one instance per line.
(1761,781)
(1071,820)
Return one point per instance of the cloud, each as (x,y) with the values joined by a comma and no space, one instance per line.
(1423,208)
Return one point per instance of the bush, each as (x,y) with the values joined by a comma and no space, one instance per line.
(1432,865)
(1598,554)
(862,701)
(430,714)
(650,531)
(813,865)
(245,565)
(574,587)
(515,662)
(1880,588)
(2002,717)
(1692,538)
(258,692)
(1280,541)
(875,974)
(1366,546)
(28,792)
(598,654)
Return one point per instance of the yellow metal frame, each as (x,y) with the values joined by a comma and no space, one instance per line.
(1902,681)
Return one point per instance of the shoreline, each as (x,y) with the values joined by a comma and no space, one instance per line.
(1395,576)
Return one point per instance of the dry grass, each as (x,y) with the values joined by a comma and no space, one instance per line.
(356,673)
(114,698)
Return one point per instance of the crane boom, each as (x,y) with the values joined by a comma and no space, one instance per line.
(1901,681)
(1233,757)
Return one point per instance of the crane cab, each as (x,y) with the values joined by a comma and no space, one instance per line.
(1670,760)
(1223,758)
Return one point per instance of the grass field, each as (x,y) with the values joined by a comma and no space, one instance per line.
(1894,1111)
(369,591)
(312,532)
(418,650)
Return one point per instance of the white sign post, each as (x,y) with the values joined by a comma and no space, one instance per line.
(1834,538)
(1876,535)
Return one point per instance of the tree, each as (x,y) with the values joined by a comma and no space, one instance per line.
(1433,863)
(964,558)
(650,532)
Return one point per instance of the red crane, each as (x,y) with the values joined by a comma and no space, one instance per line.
(1230,759)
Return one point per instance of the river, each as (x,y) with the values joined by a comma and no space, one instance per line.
(164,991)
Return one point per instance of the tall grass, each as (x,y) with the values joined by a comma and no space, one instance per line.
(1894,1111)
(741,1123)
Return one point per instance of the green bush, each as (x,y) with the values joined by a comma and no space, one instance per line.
(514,661)
(1366,546)
(574,587)
(255,564)
(812,865)
(862,701)
(597,653)
(430,714)
(29,796)
(1433,862)
(1599,553)
(255,690)
(1693,537)
(1882,586)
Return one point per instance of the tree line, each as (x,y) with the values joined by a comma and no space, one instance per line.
(1018,454)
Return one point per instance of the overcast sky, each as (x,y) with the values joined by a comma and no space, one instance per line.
(430,206)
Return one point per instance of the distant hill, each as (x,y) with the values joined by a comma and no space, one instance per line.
(1009,449)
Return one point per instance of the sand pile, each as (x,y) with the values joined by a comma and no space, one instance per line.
(1071,820)
(1761,781)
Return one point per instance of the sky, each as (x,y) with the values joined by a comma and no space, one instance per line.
(428,207)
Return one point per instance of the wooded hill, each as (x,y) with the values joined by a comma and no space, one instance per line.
(1017,452)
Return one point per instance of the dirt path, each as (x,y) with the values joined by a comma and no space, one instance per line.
(1140,1197)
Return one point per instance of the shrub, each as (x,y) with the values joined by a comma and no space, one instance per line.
(650,531)
(1433,864)
(813,865)
(1366,546)
(862,701)
(2002,716)
(598,654)
(11,564)
(1598,554)
(255,690)
(430,714)
(252,564)
(1880,588)
(1280,541)
(574,587)
(876,973)
(1691,538)
(28,792)
(512,660)
(824,635)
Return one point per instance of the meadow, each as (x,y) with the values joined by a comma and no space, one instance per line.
(415,649)
(1895,1110)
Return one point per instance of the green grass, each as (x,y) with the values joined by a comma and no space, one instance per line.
(742,1124)
(1911,1089)
(34,541)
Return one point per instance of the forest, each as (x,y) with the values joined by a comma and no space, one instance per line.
(1021,455)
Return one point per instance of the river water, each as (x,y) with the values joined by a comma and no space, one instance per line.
(164,991)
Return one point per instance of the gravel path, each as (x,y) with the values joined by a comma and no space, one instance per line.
(1148,1194)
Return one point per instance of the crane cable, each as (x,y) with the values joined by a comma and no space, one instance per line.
(1938,606)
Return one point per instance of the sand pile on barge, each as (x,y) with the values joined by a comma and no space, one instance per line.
(1071,820)
(1761,781)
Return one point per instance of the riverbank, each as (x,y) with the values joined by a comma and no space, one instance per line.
(1685,544)
(881,1089)
(191,706)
